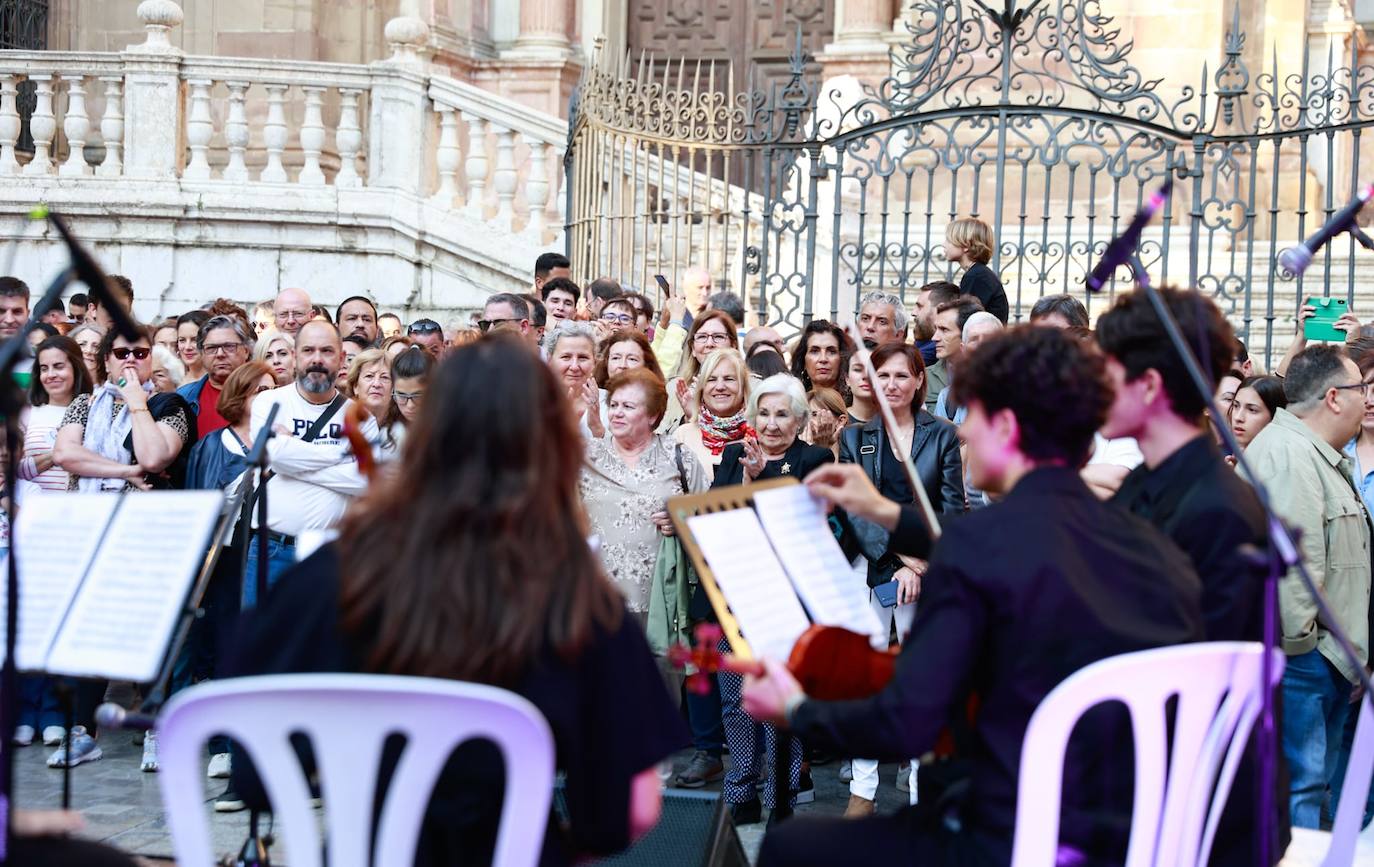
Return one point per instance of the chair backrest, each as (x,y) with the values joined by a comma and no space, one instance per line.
(348,718)
(1218,690)
(1345,831)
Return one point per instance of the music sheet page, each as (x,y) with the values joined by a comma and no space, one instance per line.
(753,581)
(796,525)
(57,535)
(123,618)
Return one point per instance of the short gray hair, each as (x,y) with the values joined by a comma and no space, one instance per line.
(980,318)
(237,325)
(779,383)
(176,371)
(569,328)
(899,316)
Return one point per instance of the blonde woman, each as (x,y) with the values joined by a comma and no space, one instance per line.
(276,350)
(720,393)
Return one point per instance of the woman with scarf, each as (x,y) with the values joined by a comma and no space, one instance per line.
(721,391)
(123,436)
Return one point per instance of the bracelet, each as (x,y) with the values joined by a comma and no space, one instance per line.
(140,409)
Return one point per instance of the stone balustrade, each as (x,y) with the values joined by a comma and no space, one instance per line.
(436,187)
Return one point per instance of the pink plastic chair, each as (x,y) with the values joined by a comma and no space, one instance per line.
(348,717)
(1218,689)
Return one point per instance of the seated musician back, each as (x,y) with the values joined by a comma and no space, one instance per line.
(472,563)
(1018,596)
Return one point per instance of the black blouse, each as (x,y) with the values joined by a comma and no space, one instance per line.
(609,710)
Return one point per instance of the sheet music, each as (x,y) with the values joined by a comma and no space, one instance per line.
(123,617)
(57,535)
(753,581)
(800,534)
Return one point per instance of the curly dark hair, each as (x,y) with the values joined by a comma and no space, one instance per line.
(1055,384)
(813,328)
(1131,333)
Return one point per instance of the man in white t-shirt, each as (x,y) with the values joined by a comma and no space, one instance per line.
(314,473)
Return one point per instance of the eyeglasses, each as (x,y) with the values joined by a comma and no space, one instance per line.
(425,328)
(704,337)
(1362,386)
(293,315)
(407,396)
(220,348)
(486,324)
(138,352)
(617,318)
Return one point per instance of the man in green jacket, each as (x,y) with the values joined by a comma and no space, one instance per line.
(1299,459)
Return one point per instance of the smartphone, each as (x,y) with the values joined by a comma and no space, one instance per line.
(663,285)
(1322,325)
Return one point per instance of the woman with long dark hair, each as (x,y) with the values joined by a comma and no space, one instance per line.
(59,375)
(821,358)
(472,563)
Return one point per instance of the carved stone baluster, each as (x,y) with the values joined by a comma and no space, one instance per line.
(504,179)
(236,132)
(312,136)
(349,139)
(200,128)
(42,126)
(560,198)
(476,167)
(9,125)
(448,157)
(112,128)
(537,186)
(274,134)
(76,125)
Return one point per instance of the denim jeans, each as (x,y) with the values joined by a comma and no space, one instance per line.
(704,716)
(280,557)
(1316,700)
(1352,719)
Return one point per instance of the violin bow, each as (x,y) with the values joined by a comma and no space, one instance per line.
(890,422)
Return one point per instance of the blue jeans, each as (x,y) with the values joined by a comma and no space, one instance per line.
(704,715)
(280,557)
(1316,700)
(1338,779)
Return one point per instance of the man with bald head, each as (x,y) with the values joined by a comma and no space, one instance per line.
(315,474)
(291,310)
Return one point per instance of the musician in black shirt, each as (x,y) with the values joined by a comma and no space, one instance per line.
(1018,596)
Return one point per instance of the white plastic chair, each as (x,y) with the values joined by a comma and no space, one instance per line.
(1218,689)
(348,717)
(1344,839)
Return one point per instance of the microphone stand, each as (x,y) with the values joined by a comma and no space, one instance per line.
(1280,555)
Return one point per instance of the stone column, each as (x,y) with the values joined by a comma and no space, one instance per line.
(544,27)
(860,47)
(398,135)
(152,100)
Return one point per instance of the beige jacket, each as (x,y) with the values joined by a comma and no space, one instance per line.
(1310,485)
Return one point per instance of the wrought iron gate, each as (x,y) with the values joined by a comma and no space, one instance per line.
(1032,119)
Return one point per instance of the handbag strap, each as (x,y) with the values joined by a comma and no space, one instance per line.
(681,468)
(324,418)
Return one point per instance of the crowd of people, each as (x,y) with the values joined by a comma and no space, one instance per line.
(1059,454)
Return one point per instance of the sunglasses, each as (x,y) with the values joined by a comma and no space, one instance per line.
(138,352)
(424,328)
(486,324)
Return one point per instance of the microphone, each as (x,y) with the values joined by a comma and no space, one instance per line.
(1121,248)
(88,272)
(1296,259)
(112,716)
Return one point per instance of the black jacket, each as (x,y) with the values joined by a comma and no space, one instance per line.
(934,451)
(981,282)
(799,460)
(1019,596)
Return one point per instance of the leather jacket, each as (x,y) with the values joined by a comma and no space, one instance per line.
(934,451)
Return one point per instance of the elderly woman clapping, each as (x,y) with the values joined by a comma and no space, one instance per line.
(777,412)
(571,350)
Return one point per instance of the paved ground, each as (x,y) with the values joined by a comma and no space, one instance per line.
(123,806)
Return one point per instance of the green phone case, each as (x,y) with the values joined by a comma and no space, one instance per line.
(1322,325)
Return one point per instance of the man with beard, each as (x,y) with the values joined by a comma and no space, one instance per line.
(314,472)
(357,315)
(225,345)
(928,297)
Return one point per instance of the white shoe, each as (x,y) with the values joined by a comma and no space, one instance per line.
(219,767)
(23,736)
(53,735)
(149,763)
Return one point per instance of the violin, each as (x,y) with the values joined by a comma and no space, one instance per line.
(830,663)
(354,418)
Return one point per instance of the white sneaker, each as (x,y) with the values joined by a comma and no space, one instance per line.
(23,736)
(53,735)
(219,767)
(149,763)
